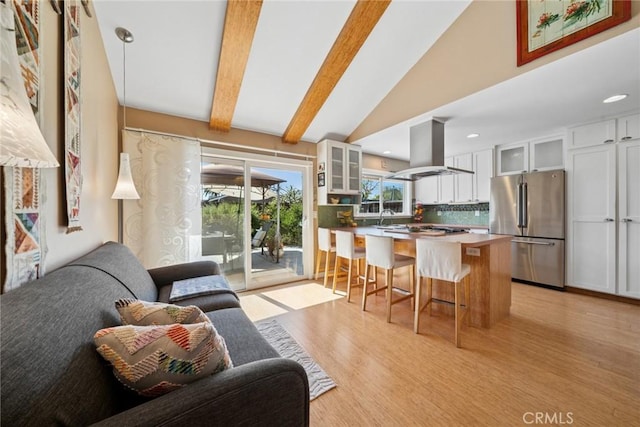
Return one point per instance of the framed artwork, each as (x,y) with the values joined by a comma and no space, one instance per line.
(544,26)
(321,167)
(321,182)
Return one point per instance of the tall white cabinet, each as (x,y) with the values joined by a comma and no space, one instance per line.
(603,172)
(591,232)
(629,218)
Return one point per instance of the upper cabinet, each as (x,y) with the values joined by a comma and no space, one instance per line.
(461,188)
(483,168)
(427,190)
(463,183)
(447,183)
(339,173)
(629,127)
(546,155)
(513,158)
(539,155)
(593,134)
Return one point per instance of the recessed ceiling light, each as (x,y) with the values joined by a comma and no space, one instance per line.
(473,135)
(615,98)
(386,152)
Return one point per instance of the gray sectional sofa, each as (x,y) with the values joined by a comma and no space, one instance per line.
(51,373)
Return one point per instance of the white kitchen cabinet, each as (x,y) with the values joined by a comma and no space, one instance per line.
(483,168)
(462,187)
(353,168)
(463,183)
(591,238)
(546,155)
(427,190)
(341,166)
(539,155)
(447,183)
(629,127)
(592,134)
(629,219)
(513,158)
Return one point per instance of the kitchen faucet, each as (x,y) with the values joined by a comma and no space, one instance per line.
(382,215)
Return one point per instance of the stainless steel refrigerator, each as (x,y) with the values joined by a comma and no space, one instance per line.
(531,207)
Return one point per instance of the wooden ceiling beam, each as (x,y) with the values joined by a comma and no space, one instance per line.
(240,24)
(361,21)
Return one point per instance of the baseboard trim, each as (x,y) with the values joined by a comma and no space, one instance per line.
(602,295)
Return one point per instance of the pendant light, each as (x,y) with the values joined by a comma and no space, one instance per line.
(125,188)
(21,142)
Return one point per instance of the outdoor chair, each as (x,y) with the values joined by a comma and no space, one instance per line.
(214,244)
(257,241)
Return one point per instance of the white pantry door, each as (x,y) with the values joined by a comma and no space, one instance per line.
(629,217)
(592,212)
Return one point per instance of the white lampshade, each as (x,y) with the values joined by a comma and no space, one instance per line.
(125,189)
(21,142)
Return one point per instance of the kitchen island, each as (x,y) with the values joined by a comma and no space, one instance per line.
(488,255)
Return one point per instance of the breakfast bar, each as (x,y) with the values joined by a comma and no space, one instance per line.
(488,255)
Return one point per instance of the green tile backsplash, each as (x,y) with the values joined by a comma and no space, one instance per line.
(457,214)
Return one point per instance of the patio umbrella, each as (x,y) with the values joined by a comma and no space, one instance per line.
(234,193)
(234,175)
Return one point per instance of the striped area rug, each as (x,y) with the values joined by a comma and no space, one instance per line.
(287,347)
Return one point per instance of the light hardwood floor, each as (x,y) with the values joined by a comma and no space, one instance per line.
(574,359)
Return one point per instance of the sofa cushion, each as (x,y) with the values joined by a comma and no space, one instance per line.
(154,360)
(143,313)
(117,261)
(244,341)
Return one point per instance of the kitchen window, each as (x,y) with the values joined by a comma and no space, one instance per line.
(379,193)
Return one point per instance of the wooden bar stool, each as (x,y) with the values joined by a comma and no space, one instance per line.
(380,253)
(442,260)
(347,250)
(324,246)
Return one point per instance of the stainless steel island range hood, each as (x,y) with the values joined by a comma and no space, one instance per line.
(426,153)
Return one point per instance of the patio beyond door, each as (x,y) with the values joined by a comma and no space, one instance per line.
(255,231)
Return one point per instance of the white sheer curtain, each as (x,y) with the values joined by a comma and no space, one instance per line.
(164,226)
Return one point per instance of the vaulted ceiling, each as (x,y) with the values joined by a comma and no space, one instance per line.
(311,69)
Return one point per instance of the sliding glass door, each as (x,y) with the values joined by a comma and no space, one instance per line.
(255,216)
(223,213)
(276,223)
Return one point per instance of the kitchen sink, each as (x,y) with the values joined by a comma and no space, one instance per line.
(391,227)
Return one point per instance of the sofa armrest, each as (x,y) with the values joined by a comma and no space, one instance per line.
(167,275)
(263,393)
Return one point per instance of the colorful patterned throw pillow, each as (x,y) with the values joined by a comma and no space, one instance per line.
(154,360)
(143,313)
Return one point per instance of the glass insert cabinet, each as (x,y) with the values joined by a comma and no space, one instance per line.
(339,173)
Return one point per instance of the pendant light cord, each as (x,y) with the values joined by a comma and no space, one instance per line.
(124,83)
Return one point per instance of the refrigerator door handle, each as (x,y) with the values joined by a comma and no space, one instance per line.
(519,205)
(534,243)
(525,202)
